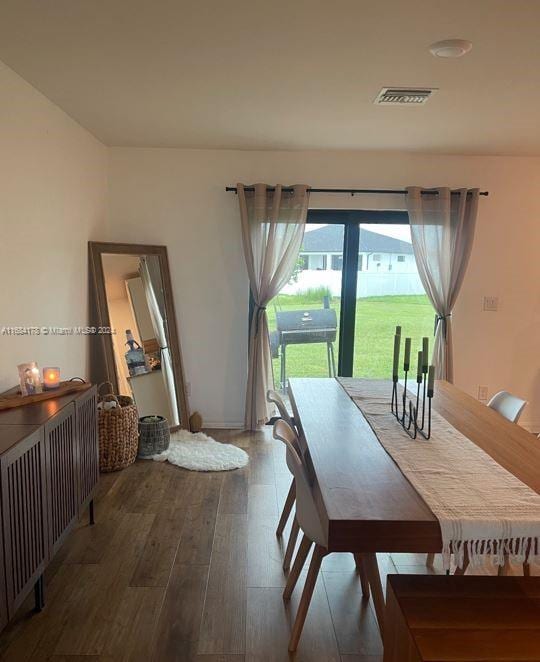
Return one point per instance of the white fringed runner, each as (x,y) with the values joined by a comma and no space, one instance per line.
(482,508)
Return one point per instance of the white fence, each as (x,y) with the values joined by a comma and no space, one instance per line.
(368,284)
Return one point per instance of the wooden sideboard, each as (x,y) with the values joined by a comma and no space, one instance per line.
(49,469)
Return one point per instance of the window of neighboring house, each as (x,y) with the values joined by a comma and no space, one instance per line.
(317,262)
(360,261)
(401,258)
(337,262)
(376,257)
(390,267)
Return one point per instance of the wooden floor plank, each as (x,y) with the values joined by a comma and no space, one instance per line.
(261,463)
(223,623)
(131,634)
(155,565)
(198,534)
(262,502)
(177,632)
(96,605)
(234,493)
(34,636)
(269,625)
(353,618)
(265,554)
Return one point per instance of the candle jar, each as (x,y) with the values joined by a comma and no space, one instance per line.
(51,378)
(29,378)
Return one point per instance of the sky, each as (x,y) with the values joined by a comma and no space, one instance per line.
(402,232)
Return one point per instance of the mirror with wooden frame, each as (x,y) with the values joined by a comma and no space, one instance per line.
(137,338)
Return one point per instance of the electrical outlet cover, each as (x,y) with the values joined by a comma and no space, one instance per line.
(491,304)
(482,392)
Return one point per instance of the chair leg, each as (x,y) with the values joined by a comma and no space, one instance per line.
(307,594)
(287,508)
(291,545)
(526,570)
(364,583)
(502,571)
(369,562)
(298,564)
(430,559)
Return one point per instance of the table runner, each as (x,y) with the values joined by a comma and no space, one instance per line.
(482,508)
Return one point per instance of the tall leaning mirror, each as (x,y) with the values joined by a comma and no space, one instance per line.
(136,346)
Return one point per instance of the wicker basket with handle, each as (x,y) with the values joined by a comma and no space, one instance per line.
(118,431)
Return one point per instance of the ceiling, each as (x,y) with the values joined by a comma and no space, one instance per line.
(286,74)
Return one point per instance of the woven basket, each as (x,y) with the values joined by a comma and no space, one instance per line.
(154,435)
(118,432)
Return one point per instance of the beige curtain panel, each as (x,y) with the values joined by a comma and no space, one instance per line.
(273,223)
(442,232)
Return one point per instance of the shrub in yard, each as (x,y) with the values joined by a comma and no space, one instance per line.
(315,294)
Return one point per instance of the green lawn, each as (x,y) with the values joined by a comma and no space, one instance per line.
(376,319)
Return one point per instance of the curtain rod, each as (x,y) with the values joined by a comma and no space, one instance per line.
(349,191)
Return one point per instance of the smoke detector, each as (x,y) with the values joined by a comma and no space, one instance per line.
(404,96)
(450,48)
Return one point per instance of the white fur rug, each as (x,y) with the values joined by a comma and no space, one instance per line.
(197,452)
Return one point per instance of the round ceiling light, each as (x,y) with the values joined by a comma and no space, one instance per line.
(450,48)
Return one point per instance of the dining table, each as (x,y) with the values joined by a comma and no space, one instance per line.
(365,502)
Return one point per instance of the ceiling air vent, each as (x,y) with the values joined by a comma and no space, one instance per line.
(404,96)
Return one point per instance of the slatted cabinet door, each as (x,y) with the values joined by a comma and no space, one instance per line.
(24,517)
(3,591)
(87,447)
(60,447)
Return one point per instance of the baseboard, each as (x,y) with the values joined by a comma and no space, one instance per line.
(223,425)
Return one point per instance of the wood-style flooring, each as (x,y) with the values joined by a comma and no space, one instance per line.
(183,566)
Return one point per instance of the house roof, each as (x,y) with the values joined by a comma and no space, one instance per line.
(329,239)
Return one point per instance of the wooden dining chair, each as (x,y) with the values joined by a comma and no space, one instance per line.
(274,397)
(314,534)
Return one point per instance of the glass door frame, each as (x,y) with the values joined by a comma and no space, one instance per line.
(351,220)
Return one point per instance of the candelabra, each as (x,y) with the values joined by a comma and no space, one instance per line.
(412,417)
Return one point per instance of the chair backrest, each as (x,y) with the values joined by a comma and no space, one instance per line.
(508,405)
(306,510)
(275,398)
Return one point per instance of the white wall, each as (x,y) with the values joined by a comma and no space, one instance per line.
(53,185)
(176,197)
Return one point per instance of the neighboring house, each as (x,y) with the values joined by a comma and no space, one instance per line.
(386,266)
(322,250)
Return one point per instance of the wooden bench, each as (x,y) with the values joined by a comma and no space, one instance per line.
(451,619)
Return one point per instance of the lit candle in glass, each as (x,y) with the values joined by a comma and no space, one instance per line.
(51,378)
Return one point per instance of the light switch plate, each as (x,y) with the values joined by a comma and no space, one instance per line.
(483,393)
(491,304)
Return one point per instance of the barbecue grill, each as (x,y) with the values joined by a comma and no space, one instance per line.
(300,327)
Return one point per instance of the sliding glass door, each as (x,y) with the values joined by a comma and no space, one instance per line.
(355,280)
